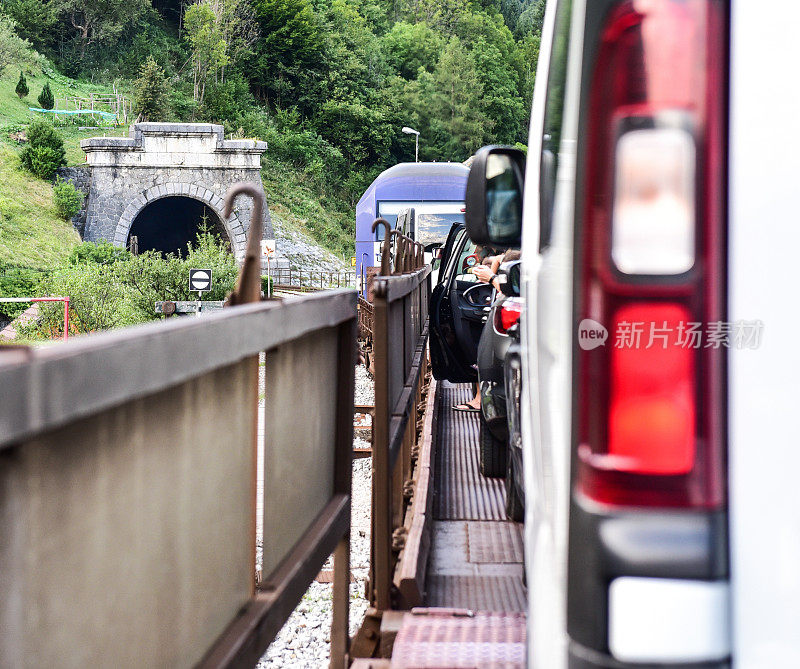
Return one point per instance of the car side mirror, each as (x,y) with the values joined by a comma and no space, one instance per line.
(494,196)
(511,272)
(438,252)
(469,262)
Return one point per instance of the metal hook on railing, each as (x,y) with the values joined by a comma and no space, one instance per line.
(385,249)
(411,252)
(399,252)
(248,283)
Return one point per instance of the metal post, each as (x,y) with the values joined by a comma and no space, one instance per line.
(363,277)
(248,290)
(66,318)
(416,148)
(340,627)
(382,484)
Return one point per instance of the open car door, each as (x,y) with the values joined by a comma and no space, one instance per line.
(457,311)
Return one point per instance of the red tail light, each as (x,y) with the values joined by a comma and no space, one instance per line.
(650,429)
(507,315)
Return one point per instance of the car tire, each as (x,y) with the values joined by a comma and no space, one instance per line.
(514,508)
(493,453)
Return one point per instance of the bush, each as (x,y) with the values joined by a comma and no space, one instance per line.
(17,282)
(98,301)
(41,161)
(22,86)
(226,100)
(108,287)
(97,253)
(45,151)
(67,198)
(46,99)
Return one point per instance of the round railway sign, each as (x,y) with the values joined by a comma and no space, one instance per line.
(200,280)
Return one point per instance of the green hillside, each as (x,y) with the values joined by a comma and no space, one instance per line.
(31,233)
(327,83)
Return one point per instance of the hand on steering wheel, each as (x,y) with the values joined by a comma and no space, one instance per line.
(483,272)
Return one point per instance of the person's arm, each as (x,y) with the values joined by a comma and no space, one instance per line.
(485,274)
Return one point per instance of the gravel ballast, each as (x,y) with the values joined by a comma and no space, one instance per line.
(304,641)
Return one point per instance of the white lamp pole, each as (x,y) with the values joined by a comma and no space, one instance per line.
(411,131)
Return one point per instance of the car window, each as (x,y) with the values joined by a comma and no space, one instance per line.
(432,228)
(553,119)
(452,260)
(461,274)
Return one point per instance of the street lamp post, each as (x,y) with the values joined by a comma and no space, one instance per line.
(411,131)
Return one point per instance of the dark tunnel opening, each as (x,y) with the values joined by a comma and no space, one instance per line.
(170,224)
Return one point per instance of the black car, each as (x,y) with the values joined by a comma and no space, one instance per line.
(515,488)
(458,308)
(469,340)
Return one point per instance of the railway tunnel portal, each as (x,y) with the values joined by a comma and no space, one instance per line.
(166,180)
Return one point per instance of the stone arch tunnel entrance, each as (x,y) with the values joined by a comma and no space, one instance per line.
(155,182)
(170,224)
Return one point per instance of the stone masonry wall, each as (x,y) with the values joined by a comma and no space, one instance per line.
(169,159)
(81,178)
(117,190)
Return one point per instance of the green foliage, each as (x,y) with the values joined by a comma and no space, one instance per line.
(97,253)
(289,59)
(150,90)
(45,152)
(207,43)
(67,198)
(108,287)
(13,49)
(22,87)
(43,161)
(98,21)
(35,20)
(17,282)
(327,83)
(226,99)
(532,18)
(409,47)
(98,301)
(31,232)
(324,215)
(46,99)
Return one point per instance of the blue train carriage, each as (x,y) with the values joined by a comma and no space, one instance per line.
(434,190)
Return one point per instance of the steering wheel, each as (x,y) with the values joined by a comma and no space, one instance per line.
(470,293)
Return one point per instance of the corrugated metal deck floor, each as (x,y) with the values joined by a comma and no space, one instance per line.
(476,557)
(474,590)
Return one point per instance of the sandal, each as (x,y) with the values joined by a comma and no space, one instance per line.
(466,408)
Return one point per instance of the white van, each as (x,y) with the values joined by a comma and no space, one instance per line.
(661,375)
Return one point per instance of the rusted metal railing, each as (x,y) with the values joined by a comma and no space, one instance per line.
(400,332)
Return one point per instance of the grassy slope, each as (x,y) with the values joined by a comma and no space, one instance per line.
(300,208)
(14,112)
(31,233)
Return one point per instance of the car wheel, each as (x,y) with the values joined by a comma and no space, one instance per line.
(514,508)
(493,453)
